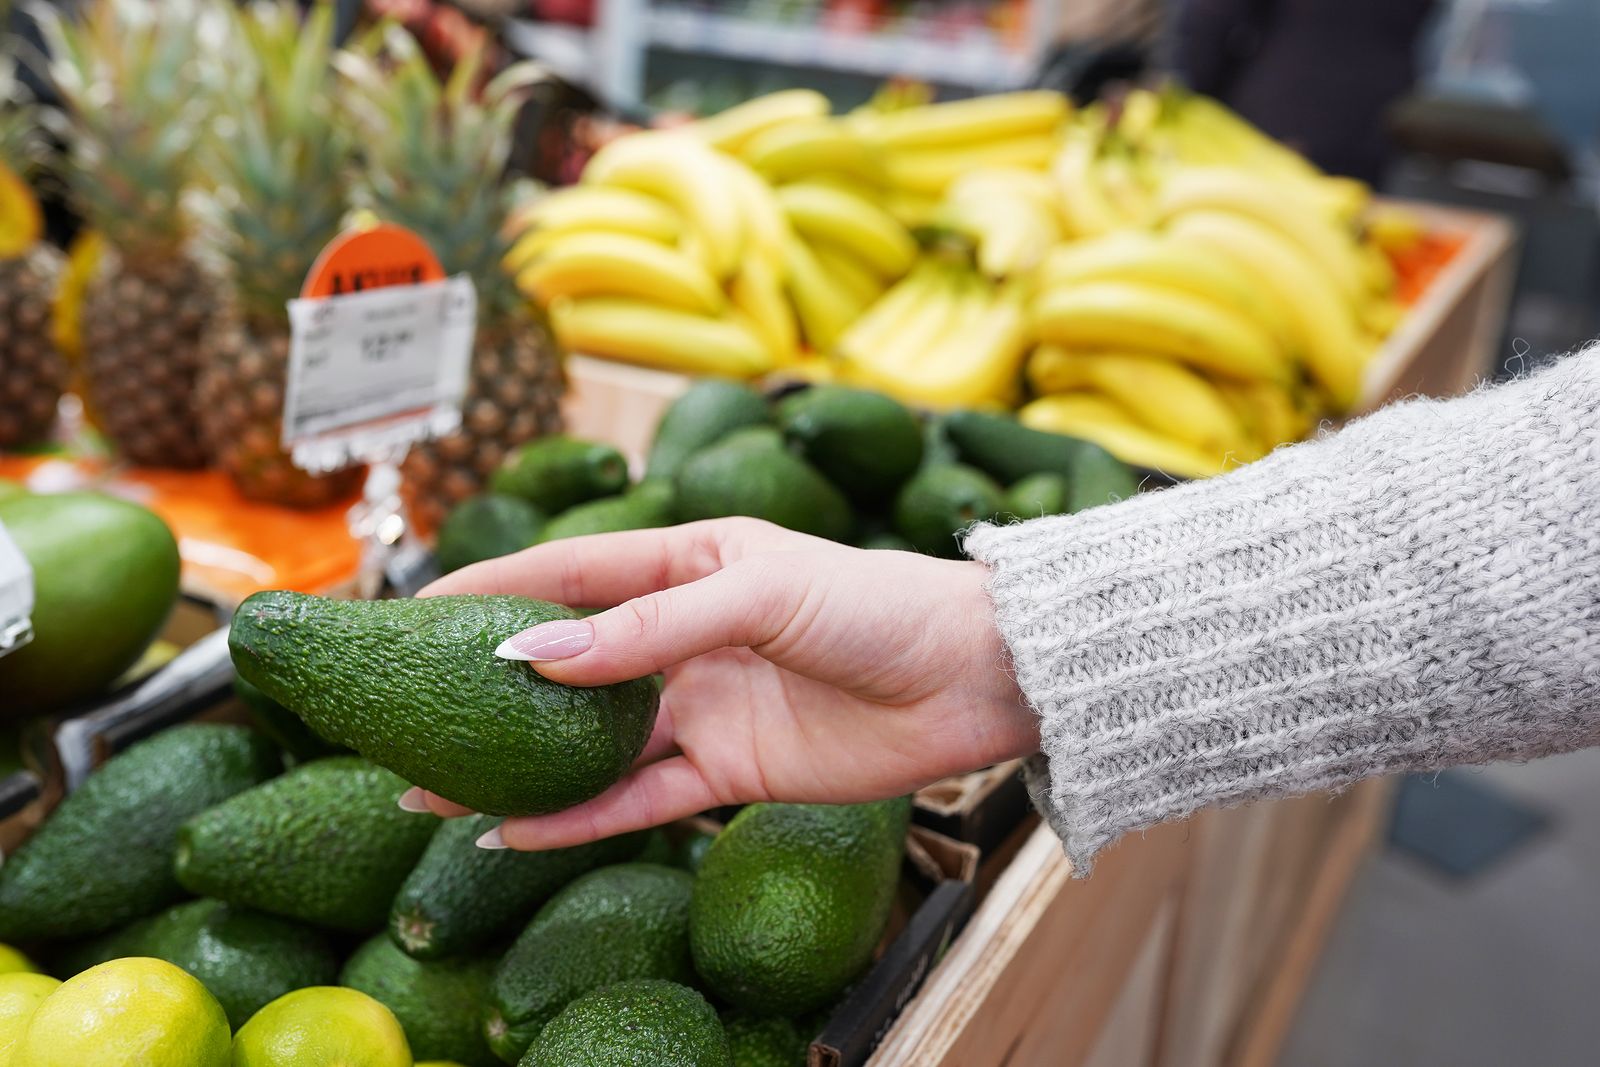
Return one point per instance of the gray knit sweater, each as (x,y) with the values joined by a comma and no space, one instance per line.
(1420,589)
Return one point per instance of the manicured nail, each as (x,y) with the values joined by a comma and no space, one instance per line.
(415,800)
(561,639)
(492,840)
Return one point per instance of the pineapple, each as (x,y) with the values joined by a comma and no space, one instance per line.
(32,371)
(434,163)
(279,160)
(127,77)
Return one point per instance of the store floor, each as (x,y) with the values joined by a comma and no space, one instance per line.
(1498,970)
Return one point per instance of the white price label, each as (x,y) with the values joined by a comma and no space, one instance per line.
(16,595)
(371,372)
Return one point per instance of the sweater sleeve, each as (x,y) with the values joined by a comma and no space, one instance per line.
(1419,589)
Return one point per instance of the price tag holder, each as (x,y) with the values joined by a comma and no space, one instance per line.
(379,353)
(16,595)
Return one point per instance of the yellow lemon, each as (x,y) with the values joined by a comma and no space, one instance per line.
(11,960)
(134,1012)
(21,993)
(322,1025)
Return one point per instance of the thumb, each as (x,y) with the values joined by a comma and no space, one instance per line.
(741,605)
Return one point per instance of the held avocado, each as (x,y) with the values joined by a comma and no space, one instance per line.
(554,473)
(707,412)
(325,843)
(459,897)
(281,725)
(745,477)
(645,1021)
(791,900)
(105,856)
(415,686)
(439,1002)
(628,921)
(105,577)
(865,443)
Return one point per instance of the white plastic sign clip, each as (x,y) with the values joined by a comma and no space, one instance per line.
(16,595)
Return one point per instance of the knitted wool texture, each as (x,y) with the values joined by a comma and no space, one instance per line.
(1418,590)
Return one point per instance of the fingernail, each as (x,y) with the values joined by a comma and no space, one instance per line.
(414,800)
(561,639)
(492,840)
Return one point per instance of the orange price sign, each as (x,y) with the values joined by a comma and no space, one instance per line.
(372,258)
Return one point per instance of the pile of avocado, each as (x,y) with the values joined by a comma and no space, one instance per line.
(842,463)
(196,846)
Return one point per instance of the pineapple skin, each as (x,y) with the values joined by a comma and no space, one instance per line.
(33,372)
(144,328)
(513,395)
(239,398)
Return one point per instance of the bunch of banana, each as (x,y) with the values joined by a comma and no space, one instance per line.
(669,253)
(1011,216)
(1102,183)
(944,337)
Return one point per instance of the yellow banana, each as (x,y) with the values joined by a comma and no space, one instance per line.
(764,222)
(1334,351)
(932,170)
(844,267)
(1380,316)
(911,209)
(684,171)
(616,264)
(1269,412)
(659,337)
(980,119)
(812,146)
(940,304)
(1163,395)
(824,307)
(1136,256)
(757,290)
(731,130)
(1377,270)
(887,317)
(587,207)
(1085,207)
(1142,318)
(1275,204)
(1091,417)
(979,361)
(824,212)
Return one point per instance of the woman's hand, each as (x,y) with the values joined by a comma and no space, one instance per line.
(796,669)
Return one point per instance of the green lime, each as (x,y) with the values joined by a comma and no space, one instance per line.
(11,960)
(21,993)
(322,1024)
(135,1012)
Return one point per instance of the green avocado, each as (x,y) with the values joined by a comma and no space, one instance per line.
(792,899)
(439,1002)
(415,685)
(247,959)
(1008,451)
(746,477)
(325,843)
(707,412)
(1100,478)
(863,442)
(104,857)
(644,507)
(486,526)
(770,1041)
(633,1024)
(1038,495)
(691,851)
(105,577)
(556,472)
(940,502)
(460,897)
(627,921)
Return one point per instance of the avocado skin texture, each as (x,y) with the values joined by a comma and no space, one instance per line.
(282,725)
(246,958)
(662,1024)
(415,686)
(939,502)
(644,507)
(105,575)
(485,527)
(1038,495)
(459,897)
(771,1041)
(104,857)
(792,899)
(1100,478)
(707,412)
(556,472)
(627,921)
(865,443)
(439,1002)
(743,477)
(326,844)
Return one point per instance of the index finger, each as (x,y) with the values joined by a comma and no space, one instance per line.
(601,570)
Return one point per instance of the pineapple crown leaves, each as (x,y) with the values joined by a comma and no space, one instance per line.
(277,150)
(23,147)
(435,154)
(135,99)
